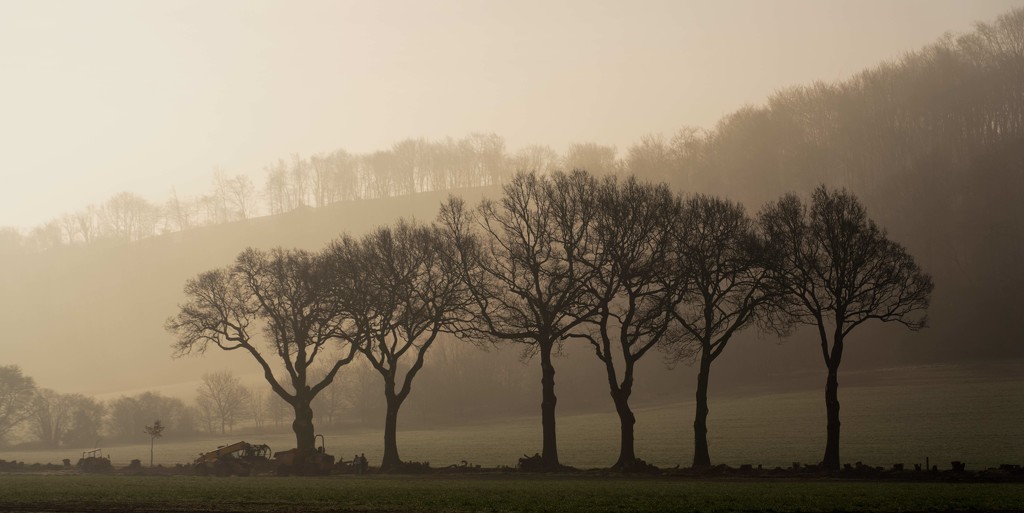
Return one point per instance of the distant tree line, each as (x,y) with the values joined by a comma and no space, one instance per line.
(408,167)
(625,265)
(44,418)
(930,141)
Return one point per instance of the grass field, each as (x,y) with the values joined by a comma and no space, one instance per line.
(488,493)
(973,420)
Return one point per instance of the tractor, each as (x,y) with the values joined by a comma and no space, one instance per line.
(312,464)
(94,462)
(236,459)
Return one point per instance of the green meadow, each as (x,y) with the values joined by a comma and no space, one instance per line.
(975,420)
(488,493)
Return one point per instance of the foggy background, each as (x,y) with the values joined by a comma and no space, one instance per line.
(258,124)
(103,97)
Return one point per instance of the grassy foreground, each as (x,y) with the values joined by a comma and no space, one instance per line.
(488,493)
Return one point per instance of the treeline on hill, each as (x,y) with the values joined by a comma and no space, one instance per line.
(409,166)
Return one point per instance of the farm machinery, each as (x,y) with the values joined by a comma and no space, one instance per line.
(293,461)
(94,462)
(237,459)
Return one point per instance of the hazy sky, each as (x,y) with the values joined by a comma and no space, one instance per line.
(97,97)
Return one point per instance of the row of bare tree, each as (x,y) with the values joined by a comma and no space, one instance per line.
(624,265)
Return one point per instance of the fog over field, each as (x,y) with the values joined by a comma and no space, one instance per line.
(147,143)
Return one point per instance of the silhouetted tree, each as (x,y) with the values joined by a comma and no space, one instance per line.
(840,270)
(16,394)
(720,287)
(287,294)
(525,278)
(154,431)
(631,235)
(408,292)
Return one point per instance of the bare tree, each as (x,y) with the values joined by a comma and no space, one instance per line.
(720,283)
(239,194)
(275,189)
(223,399)
(595,158)
(536,159)
(16,394)
(51,417)
(631,233)
(285,293)
(840,270)
(526,281)
(180,214)
(128,216)
(409,292)
(156,430)
(297,186)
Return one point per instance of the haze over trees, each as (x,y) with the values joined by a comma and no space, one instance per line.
(16,394)
(128,416)
(931,143)
(62,420)
(222,401)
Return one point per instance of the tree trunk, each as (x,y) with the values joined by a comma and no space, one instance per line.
(627,453)
(391,460)
(547,407)
(701,456)
(303,426)
(831,459)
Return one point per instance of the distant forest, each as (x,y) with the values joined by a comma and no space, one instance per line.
(931,142)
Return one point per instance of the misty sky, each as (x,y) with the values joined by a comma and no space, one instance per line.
(98,97)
